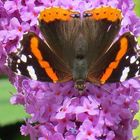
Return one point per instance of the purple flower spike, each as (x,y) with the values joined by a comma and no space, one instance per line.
(58,111)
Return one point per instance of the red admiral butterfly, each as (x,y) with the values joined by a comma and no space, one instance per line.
(78,47)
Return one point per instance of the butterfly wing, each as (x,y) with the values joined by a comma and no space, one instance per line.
(35,60)
(100,27)
(60,27)
(64,29)
(119,63)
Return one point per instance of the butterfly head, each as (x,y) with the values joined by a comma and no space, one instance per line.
(80,85)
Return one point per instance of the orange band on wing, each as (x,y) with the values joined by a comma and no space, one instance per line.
(55,13)
(109,13)
(43,64)
(113,65)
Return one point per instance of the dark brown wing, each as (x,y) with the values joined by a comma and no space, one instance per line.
(64,29)
(100,27)
(35,60)
(60,27)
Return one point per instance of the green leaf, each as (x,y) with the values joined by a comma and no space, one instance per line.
(136,132)
(137,7)
(9,113)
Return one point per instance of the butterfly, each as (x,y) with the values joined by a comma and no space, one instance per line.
(77,46)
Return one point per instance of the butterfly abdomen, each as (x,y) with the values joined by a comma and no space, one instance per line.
(80,67)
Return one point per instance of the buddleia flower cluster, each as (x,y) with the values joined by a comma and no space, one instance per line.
(58,111)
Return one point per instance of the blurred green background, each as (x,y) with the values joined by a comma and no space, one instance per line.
(11,117)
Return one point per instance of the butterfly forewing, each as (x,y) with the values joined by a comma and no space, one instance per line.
(119,63)
(61,31)
(36,61)
(100,30)
(65,30)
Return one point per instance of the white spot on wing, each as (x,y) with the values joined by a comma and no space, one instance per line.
(29,56)
(23,58)
(137,73)
(127,57)
(32,72)
(18,72)
(131,33)
(18,61)
(135,39)
(18,46)
(38,21)
(124,74)
(137,49)
(133,59)
(109,28)
(137,62)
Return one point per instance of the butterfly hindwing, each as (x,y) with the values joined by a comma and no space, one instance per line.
(35,60)
(119,63)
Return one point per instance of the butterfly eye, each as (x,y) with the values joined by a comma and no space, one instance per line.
(87,14)
(80,57)
(75,15)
